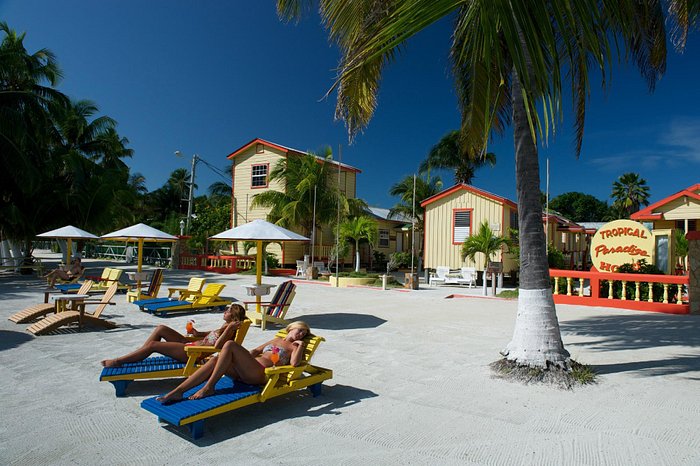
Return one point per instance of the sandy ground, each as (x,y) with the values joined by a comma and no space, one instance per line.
(411,385)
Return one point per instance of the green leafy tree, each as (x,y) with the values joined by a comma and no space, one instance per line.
(508,59)
(580,207)
(294,205)
(358,229)
(426,186)
(484,242)
(450,153)
(629,193)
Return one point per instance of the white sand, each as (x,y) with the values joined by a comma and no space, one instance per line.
(411,385)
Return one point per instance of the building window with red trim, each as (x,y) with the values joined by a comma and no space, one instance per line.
(259,176)
(461,225)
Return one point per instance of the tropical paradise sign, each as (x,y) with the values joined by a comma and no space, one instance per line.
(620,242)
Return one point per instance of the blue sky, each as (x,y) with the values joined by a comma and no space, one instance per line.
(207,77)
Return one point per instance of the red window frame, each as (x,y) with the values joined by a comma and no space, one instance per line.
(471,223)
(267,174)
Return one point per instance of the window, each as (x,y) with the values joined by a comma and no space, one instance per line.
(680,225)
(461,225)
(514,220)
(259,176)
(383,238)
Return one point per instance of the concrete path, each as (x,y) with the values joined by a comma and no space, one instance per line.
(411,386)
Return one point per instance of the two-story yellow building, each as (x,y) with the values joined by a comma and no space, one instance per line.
(252,164)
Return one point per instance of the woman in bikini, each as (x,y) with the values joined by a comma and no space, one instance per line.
(75,270)
(241,364)
(169,342)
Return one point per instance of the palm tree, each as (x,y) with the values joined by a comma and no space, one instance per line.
(451,154)
(426,187)
(484,242)
(357,229)
(629,193)
(508,58)
(294,206)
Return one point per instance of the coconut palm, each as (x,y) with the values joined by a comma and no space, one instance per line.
(294,205)
(357,229)
(425,187)
(508,59)
(450,153)
(629,193)
(484,242)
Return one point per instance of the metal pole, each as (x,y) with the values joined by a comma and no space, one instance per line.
(189,199)
(313,230)
(546,218)
(413,225)
(337,226)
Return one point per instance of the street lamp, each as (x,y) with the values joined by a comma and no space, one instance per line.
(195,159)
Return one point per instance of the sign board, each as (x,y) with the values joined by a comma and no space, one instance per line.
(620,242)
(494,267)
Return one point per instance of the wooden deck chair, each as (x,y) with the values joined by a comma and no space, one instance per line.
(194,289)
(151,292)
(108,276)
(274,310)
(231,395)
(209,299)
(61,319)
(164,367)
(40,310)
(104,276)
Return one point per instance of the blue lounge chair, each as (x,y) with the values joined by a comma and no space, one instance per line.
(230,395)
(208,299)
(163,367)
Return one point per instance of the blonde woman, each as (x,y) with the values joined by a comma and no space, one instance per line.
(170,342)
(240,364)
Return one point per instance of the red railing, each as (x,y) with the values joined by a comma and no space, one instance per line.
(598,289)
(218,264)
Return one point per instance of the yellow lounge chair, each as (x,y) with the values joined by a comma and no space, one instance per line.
(61,319)
(108,276)
(232,395)
(151,292)
(164,367)
(40,310)
(194,288)
(274,310)
(209,299)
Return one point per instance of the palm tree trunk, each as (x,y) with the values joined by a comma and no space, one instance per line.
(536,339)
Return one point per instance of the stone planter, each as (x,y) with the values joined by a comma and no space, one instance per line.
(344,282)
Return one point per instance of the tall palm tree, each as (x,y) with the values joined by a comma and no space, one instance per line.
(426,186)
(357,229)
(508,59)
(294,205)
(629,193)
(452,154)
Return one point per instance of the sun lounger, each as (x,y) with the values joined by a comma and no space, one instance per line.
(163,367)
(61,319)
(151,292)
(40,310)
(194,288)
(274,310)
(209,299)
(108,276)
(232,395)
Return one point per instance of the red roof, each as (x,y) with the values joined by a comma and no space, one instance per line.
(287,150)
(469,188)
(648,212)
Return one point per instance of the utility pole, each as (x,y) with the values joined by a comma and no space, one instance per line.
(195,158)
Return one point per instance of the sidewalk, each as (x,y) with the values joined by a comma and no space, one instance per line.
(411,385)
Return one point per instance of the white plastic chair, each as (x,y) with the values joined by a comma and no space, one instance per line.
(468,276)
(439,276)
(300,269)
(321,267)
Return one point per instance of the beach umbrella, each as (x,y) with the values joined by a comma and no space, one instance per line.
(69,233)
(258,231)
(140,233)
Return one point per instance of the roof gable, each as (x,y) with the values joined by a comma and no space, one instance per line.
(288,150)
(651,212)
(465,187)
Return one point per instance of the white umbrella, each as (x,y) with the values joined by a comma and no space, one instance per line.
(139,233)
(258,231)
(68,233)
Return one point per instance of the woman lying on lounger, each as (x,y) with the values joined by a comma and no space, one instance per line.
(174,343)
(75,270)
(241,364)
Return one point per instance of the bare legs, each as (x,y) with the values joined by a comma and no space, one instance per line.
(233,360)
(173,346)
(54,275)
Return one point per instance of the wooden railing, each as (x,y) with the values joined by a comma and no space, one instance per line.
(636,291)
(218,264)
